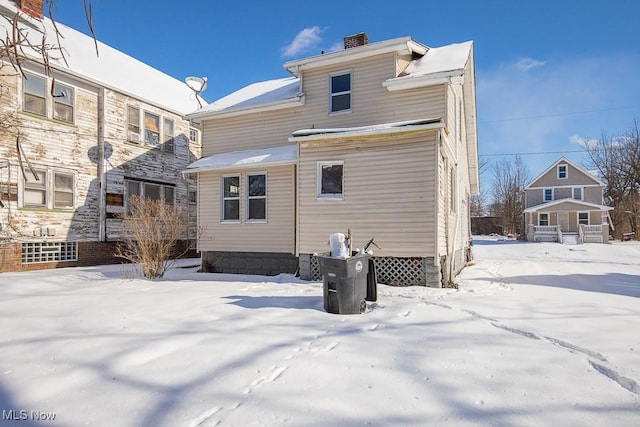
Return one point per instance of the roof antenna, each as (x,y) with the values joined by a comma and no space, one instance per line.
(197,85)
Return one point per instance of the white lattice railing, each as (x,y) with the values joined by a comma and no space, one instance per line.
(389,270)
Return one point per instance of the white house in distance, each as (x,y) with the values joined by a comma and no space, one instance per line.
(79,141)
(379,138)
(565,204)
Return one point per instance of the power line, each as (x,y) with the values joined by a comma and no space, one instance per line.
(568,113)
(530,154)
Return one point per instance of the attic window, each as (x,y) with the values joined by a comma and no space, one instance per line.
(562,172)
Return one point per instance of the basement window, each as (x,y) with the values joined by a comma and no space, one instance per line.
(34,252)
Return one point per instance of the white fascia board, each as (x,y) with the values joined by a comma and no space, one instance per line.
(239,167)
(362,133)
(271,106)
(413,82)
(401,45)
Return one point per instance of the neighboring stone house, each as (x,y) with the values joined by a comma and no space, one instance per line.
(377,138)
(77,143)
(565,204)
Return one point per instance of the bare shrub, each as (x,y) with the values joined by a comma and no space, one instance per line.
(152,231)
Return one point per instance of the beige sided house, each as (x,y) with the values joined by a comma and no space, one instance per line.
(565,204)
(80,142)
(378,138)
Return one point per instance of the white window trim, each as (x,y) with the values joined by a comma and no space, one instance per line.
(581,193)
(265,197)
(223,198)
(49,100)
(331,94)
(588,217)
(566,171)
(319,195)
(141,183)
(49,188)
(544,194)
(540,217)
(197,132)
(140,138)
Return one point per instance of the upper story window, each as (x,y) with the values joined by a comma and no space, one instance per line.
(194,136)
(167,132)
(340,91)
(36,98)
(151,129)
(34,92)
(155,128)
(548,194)
(63,102)
(330,180)
(47,188)
(563,172)
(133,124)
(577,193)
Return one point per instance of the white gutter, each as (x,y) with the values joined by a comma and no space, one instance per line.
(413,82)
(370,132)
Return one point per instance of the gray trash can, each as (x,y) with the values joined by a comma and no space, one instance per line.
(345,283)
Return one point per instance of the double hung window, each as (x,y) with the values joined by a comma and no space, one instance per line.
(340,91)
(38,98)
(231,198)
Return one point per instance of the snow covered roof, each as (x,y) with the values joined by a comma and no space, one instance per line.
(439,62)
(377,129)
(267,93)
(557,204)
(110,68)
(272,156)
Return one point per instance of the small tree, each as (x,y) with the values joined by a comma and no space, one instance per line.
(152,230)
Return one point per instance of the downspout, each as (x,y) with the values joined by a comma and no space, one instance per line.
(102,182)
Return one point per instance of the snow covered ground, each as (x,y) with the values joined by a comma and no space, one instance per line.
(537,334)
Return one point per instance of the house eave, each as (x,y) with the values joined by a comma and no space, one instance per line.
(400,45)
(271,106)
(555,203)
(414,82)
(381,130)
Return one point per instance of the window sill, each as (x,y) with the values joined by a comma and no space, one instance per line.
(331,198)
(148,147)
(48,119)
(338,113)
(44,209)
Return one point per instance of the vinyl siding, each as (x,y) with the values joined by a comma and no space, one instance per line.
(389,189)
(371,104)
(276,235)
(575,177)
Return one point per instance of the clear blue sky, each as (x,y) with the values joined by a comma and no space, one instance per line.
(549,72)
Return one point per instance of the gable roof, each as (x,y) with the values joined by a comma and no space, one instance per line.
(569,162)
(269,94)
(109,68)
(401,45)
(438,63)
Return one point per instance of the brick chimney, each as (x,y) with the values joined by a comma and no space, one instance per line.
(34,8)
(355,40)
